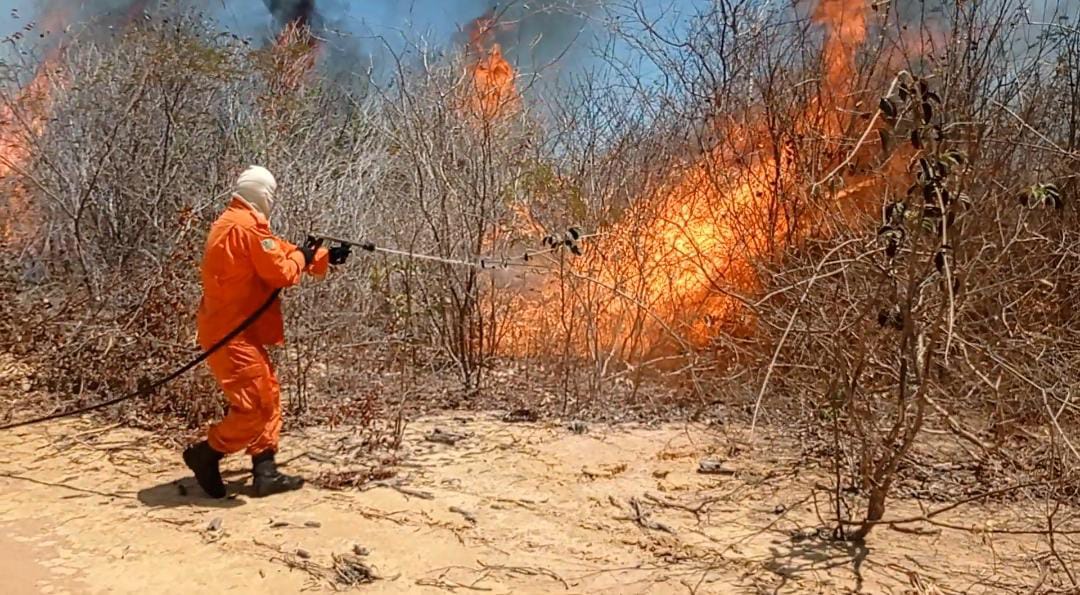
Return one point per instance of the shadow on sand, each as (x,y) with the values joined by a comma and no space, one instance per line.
(818,554)
(185,492)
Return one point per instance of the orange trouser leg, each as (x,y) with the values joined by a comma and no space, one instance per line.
(253,423)
(271,431)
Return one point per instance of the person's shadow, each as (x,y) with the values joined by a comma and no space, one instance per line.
(186,492)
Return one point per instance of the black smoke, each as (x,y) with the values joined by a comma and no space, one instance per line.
(298,12)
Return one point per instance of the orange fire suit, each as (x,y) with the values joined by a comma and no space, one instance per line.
(242,265)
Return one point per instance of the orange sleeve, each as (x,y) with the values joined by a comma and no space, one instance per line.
(277,262)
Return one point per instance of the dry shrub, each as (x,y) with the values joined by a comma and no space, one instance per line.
(954,311)
(953,307)
(145,134)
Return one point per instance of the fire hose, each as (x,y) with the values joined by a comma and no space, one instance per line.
(552,244)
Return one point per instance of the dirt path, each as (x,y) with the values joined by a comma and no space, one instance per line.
(96,510)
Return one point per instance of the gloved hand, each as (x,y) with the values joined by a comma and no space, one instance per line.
(310,247)
(339,254)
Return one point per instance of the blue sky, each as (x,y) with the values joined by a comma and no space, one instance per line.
(365,28)
(372,26)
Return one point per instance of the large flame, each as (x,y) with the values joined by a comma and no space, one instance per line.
(296,52)
(492,93)
(676,264)
(22,121)
(845,21)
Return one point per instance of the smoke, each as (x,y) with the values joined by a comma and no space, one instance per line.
(543,37)
(27,25)
(535,35)
(300,12)
(532,34)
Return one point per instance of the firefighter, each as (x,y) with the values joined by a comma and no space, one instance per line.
(242,265)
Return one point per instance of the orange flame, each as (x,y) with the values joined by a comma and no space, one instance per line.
(676,260)
(296,53)
(21,122)
(846,23)
(493,93)
(673,259)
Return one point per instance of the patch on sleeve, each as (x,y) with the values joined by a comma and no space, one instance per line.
(268,245)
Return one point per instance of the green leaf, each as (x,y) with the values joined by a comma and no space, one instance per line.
(926,169)
(931,212)
(1052,190)
(955,157)
(885,139)
(886,106)
(927,112)
(928,194)
(895,211)
(891,318)
(1043,195)
(939,261)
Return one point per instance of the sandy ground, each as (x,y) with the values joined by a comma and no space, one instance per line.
(87,509)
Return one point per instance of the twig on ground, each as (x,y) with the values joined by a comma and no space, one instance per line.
(468,515)
(527,571)
(396,485)
(641,516)
(448,585)
(695,510)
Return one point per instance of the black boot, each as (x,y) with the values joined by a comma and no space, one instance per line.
(203,461)
(268,480)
